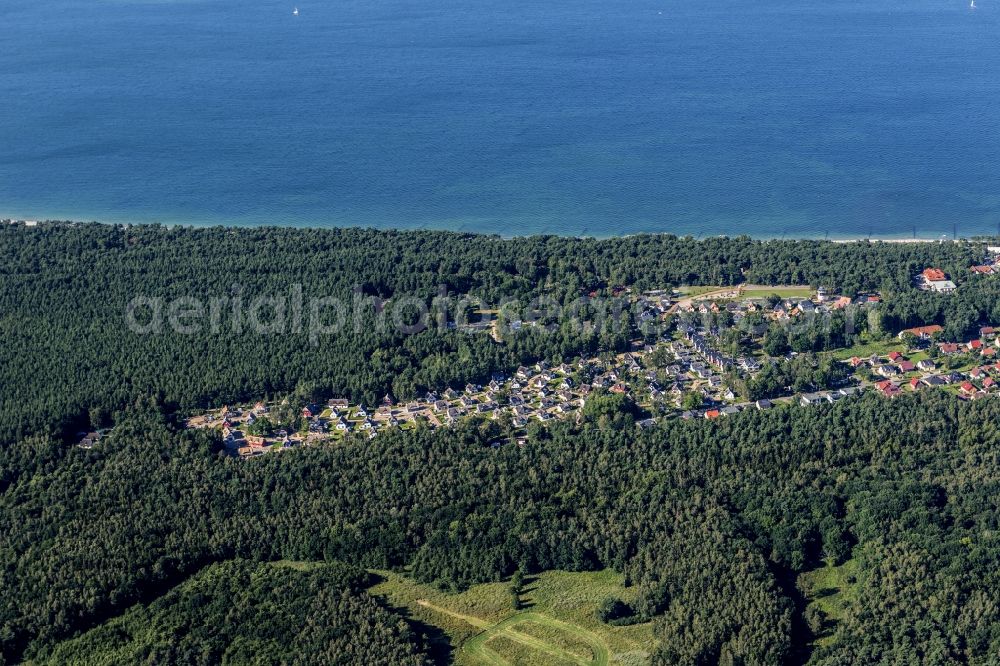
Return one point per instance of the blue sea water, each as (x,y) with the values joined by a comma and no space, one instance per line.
(840,118)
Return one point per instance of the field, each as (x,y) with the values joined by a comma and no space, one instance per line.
(746,291)
(555,625)
(692,291)
(830,589)
(865,349)
(757,291)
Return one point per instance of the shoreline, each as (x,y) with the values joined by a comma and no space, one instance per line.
(8,219)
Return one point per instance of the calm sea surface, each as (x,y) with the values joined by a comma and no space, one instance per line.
(767,117)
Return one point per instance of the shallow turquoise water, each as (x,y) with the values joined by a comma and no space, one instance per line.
(772,118)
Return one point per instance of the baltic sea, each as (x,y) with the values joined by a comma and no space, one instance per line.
(840,119)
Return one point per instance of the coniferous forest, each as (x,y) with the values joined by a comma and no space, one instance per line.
(156,547)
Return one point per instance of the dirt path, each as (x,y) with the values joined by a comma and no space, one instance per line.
(476,622)
(477,645)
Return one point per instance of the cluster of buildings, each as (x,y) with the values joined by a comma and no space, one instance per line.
(935,279)
(689,362)
(894,372)
(533,393)
(992,265)
(784,309)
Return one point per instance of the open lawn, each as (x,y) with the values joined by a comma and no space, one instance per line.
(556,624)
(783,292)
(691,292)
(866,349)
(832,590)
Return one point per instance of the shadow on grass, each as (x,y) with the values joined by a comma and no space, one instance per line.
(434,639)
(825,592)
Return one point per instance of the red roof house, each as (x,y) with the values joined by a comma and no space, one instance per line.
(922,331)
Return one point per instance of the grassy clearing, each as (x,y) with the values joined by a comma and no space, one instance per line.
(832,590)
(866,349)
(506,642)
(297,565)
(690,291)
(568,643)
(557,624)
(783,292)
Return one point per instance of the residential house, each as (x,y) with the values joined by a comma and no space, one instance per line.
(807,399)
(887,388)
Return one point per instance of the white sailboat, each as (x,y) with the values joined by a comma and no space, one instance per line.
(972,4)
(295,12)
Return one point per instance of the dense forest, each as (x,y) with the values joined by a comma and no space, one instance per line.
(125,548)
(240,612)
(712,520)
